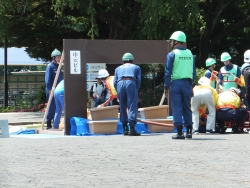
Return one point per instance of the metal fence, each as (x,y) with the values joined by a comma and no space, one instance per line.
(21,87)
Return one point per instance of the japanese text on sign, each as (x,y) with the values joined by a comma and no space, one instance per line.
(75,62)
(95,66)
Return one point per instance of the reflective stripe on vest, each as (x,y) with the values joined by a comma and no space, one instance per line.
(110,86)
(213,82)
(183,64)
(230,77)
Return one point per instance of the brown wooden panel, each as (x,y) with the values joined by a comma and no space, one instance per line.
(111,51)
(74,84)
(102,51)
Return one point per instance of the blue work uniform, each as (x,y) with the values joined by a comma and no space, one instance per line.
(59,100)
(208,74)
(50,75)
(127,81)
(180,89)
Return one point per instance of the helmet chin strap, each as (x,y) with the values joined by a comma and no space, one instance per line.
(174,44)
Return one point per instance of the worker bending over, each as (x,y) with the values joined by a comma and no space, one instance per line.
(127,80)
(229,108)
(204,94)
(109,83)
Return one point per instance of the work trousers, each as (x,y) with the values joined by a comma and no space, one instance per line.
(52,108)
(181,93)
(203,96)
(59,100)
(128,98)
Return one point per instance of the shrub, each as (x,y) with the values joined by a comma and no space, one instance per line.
(199,73)
(150,97)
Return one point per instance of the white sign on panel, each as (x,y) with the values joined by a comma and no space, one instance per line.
(75,62)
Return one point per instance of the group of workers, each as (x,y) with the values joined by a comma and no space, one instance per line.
(217,91)
(124,86)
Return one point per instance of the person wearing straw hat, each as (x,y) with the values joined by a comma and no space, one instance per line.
(204,94)
(50,75)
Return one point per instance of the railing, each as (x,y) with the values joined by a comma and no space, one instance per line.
(20,94)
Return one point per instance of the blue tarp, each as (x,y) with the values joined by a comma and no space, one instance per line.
(79,127)
(21,131)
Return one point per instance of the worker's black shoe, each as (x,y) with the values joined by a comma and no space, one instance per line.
(49,125)
(189,132)
(132,131)
(236,131)
(125,129)
(223,129)
(179,135)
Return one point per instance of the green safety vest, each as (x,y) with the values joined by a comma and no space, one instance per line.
(213,82)
(229,77)
(183,64)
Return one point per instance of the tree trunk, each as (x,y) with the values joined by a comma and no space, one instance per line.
(204,48)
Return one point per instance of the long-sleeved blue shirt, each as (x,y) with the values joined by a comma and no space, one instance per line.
(169,67)
(50,75)
(208,73)
(128,70)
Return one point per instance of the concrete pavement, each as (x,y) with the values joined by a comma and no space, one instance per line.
(207,161)
(23,118)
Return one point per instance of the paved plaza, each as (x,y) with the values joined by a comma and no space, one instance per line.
(122,161)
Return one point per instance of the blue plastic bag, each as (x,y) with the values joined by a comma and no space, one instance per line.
(79,126)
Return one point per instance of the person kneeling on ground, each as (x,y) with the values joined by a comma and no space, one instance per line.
(229,108)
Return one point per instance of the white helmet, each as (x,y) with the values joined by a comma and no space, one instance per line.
(247,56)
(103,73)
(204,81)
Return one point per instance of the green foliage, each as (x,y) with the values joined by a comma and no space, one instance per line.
(210,26)
(199,73)
(41,95)
(33,103)
(150,97)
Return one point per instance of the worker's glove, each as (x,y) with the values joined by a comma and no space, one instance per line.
(237,80)
(100,106)
(213,75)
(215,72)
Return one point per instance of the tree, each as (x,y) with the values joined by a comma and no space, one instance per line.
(219,23)
(211,26)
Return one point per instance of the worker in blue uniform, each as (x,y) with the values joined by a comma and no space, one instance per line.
(59,100)
(233,70)
(50,75)
(127,81)
(179,75)
(210,64)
